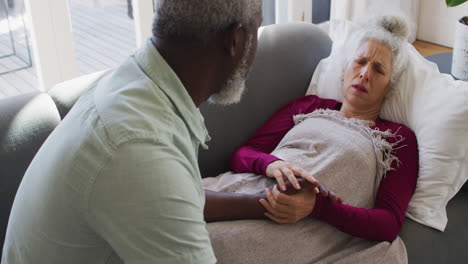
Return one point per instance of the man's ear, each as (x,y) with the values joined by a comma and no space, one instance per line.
(234,39)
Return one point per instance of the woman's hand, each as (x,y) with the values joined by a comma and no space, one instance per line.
(286,209)
(283,170)
(307,185)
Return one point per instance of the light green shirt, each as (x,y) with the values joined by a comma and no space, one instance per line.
(118,179)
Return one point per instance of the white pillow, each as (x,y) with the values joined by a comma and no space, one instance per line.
(433,105)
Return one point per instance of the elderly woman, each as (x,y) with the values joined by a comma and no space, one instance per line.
(371,163)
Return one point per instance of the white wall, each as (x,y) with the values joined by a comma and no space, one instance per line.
(292,10)
(52,41)
(360,10)
(299,9)
(437,22)
(281,11)
(143,11)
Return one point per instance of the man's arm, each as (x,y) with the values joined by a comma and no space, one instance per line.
(223,206)
(148,207)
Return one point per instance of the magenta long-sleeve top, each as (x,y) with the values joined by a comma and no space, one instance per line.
(384,221)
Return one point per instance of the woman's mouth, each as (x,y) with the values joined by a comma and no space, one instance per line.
(360,88)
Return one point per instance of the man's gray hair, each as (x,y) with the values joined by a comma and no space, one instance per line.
(392,31)
(202,19)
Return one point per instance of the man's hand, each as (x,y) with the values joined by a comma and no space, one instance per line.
(283,170)
(307,185)
(286,209)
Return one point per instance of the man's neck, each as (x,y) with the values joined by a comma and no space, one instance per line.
(191,65)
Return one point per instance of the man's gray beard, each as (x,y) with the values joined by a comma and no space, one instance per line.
(234,87)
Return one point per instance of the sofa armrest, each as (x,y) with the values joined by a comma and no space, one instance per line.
(25,123)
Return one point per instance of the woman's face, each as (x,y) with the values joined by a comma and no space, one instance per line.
(366,78)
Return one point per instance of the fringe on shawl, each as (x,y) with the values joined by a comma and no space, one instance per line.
(383,149)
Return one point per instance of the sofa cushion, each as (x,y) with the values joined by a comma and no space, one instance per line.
(65,94)
(427,245)
(286,58)
(26,121)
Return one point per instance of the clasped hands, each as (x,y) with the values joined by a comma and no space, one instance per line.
(298,195)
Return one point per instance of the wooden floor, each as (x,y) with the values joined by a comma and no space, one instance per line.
(103,36)
(428,49)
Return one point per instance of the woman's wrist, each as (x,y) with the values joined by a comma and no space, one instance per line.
(266,162)
(319,201)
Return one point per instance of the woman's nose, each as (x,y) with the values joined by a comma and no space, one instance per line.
(364,73)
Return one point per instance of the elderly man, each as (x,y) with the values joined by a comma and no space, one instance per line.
(118,179)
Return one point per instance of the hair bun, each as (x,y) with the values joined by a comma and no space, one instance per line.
(396,25)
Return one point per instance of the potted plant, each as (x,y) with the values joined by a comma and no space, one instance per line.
(460,45)
(451,3)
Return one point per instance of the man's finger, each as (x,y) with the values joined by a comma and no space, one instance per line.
(323,190)
(304,174)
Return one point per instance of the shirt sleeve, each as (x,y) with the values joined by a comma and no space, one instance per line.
(253,156)
(149,208)
(384,221)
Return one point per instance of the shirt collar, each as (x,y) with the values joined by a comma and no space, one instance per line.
(157,69)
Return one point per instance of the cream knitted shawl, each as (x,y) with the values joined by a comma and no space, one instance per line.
(348,157)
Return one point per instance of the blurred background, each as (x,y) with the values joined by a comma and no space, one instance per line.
(46,42)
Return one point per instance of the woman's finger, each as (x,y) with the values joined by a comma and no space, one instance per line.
(281,183)
(274,203)
(279,178)
(300,172)
(291,177)
(279,197)
(332,196)
(276,219)
(272,211)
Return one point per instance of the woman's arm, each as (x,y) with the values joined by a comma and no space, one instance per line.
(384,221)
(253,156)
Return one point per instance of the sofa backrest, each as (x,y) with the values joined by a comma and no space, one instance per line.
(66,94)
(286,59)
(25,123)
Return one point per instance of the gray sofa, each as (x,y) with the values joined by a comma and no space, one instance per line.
(287,56)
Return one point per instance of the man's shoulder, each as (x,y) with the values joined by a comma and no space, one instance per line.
(135,109)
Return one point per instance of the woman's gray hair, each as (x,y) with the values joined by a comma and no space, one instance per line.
(202,19)
(390,30)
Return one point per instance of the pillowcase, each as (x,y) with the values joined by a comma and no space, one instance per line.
(433,105)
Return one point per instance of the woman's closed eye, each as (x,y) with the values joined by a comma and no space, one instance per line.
(379,70)
(361,61)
